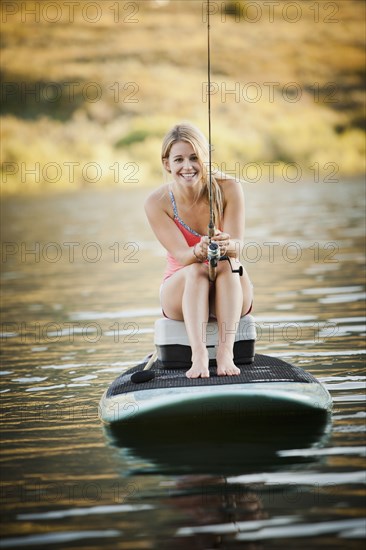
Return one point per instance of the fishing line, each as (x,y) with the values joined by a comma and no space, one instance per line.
(211,226)
(213,253)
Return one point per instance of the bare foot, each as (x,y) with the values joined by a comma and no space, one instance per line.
(199,366)
(225,364)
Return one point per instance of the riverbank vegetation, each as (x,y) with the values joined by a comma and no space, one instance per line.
(89,89)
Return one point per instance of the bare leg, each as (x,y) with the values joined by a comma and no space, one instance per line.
(233,296)
(195,313)
(185,297)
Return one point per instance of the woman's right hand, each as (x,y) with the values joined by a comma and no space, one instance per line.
(201,249)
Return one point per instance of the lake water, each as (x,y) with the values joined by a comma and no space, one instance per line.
(80,277)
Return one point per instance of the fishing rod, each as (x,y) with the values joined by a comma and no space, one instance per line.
(213,253)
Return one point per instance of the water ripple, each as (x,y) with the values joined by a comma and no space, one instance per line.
(282,527)
(340,298)
(301,478)
(331,290)
(360,451)
(57,538)
(348,528)
(124,314)
(92,510)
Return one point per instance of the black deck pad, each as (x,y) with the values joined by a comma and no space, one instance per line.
(263,369)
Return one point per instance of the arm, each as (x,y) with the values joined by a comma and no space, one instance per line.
(234,216)
(165,229)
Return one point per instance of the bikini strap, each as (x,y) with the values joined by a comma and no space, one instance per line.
(174,204)
(178,219)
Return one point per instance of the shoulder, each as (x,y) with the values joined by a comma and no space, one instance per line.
(158,200)
(231,188)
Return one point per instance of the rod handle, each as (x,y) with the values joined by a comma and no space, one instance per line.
(213,257)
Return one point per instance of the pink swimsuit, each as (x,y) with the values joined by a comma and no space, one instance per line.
(192,238)
(190,235)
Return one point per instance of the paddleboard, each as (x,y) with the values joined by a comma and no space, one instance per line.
(267,388)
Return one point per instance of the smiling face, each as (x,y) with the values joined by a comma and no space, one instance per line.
(183,164)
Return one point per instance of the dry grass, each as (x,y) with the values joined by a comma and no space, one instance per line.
(159,67)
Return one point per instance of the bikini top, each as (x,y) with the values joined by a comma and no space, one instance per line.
(191,236)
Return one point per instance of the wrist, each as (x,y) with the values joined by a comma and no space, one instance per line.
(195,254)
(234,248)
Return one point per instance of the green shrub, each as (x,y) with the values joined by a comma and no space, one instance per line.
(136,136)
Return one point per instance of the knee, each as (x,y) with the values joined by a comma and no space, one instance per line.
(195,273)
(225,267)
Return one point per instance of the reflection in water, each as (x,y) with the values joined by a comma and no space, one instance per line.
(217,448)
(204,462)
(217,513)
(70,327)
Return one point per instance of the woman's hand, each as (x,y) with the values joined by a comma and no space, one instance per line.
(200,249)
(223,240)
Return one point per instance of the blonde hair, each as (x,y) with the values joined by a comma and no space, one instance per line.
(192,135)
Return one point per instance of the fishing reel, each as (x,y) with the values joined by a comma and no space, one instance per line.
(213,257)
(213,254)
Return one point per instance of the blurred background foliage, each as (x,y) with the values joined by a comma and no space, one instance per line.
(100,84)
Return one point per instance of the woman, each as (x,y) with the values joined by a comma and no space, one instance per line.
(179,215)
